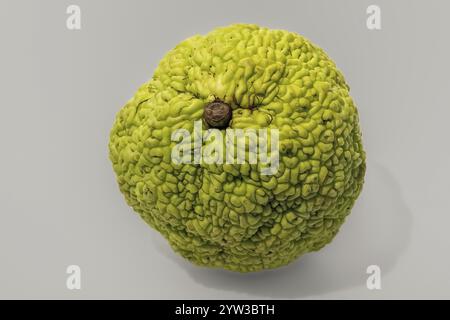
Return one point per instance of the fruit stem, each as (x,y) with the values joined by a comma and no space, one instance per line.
(217,114)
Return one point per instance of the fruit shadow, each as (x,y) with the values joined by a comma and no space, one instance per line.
(376,232)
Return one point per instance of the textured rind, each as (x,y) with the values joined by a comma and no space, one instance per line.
(230,216)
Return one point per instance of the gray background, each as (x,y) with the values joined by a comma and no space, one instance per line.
(60,205)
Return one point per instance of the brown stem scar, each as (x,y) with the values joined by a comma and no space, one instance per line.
(217,114)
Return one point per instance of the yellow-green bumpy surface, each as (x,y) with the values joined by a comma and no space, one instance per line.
(230,215)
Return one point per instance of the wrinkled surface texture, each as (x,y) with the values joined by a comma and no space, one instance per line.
(229,215)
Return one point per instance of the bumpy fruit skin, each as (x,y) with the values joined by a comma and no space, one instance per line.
(230,215)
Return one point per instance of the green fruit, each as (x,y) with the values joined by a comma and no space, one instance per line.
(231,215)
